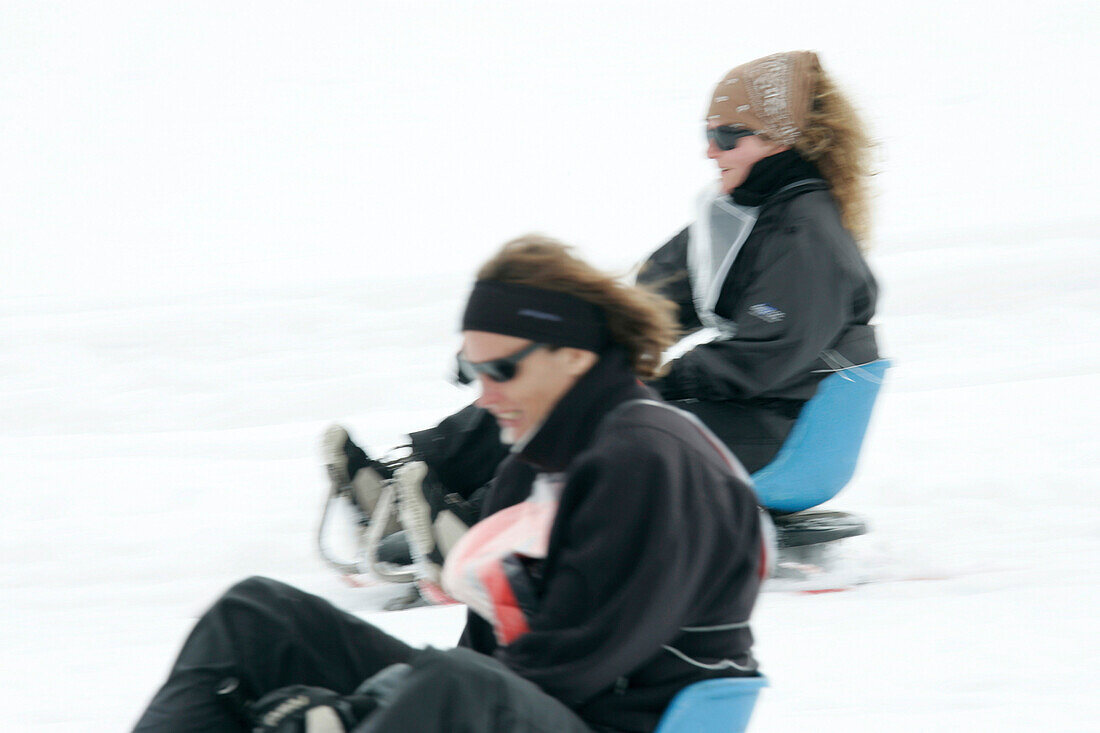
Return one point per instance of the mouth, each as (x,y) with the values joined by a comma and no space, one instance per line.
(508,416)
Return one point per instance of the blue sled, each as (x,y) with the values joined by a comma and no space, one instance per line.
(819,456)
(713,706)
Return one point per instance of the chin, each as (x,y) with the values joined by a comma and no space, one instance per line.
(731,182)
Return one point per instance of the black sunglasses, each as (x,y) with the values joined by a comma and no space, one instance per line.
(726,136)
(498,370)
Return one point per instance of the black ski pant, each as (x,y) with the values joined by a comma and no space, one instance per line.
(265,635)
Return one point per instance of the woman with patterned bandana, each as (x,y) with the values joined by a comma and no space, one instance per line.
(771,269)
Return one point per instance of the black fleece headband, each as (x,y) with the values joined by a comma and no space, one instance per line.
(545,316)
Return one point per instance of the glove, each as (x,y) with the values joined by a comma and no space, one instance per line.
(303,709)
(674,385)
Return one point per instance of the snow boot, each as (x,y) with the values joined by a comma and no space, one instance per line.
(416,518)
(355,475)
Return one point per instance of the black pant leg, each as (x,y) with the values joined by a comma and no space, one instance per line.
(463,451)
(267,635)
(462,691)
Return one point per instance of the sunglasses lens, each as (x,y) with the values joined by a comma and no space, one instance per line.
(500,370)
(726,137)
(468,372)
(464,373)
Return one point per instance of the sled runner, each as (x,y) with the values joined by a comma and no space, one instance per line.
(355,543)
(807,548)
(351,542)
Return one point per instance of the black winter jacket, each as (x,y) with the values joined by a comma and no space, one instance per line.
(655,540)
(799,290)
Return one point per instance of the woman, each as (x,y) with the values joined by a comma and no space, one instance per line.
(618,562)
(771,266)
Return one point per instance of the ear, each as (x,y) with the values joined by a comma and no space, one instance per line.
(577,361)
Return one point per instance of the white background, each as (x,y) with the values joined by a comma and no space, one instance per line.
(223,225)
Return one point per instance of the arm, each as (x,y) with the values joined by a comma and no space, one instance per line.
(794,306)
(666,272)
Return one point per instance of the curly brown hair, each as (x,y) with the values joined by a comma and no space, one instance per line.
(834,138)
(638,319)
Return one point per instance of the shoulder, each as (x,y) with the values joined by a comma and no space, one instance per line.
(807,225)
(644,432)
(816,205)
(653,456)
(812,209)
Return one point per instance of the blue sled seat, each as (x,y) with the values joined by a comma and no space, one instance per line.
(713,706)
(819,456)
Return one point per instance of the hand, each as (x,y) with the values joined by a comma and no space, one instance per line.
(303,709)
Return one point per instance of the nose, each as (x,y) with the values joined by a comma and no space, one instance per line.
(713,151)
(488,396)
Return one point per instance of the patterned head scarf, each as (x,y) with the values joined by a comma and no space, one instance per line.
(771,95)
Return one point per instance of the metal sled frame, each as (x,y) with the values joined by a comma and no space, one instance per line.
(367,540)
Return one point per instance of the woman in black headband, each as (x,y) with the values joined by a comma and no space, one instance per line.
(618,560)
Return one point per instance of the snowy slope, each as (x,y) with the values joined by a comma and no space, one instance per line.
(226,227)
(979,473)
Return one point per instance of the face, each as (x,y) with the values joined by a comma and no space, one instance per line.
(734,165)
(523,402)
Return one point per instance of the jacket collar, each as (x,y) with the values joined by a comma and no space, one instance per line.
(571,425)
(774,175)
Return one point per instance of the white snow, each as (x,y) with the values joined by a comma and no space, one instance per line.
(225,226)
